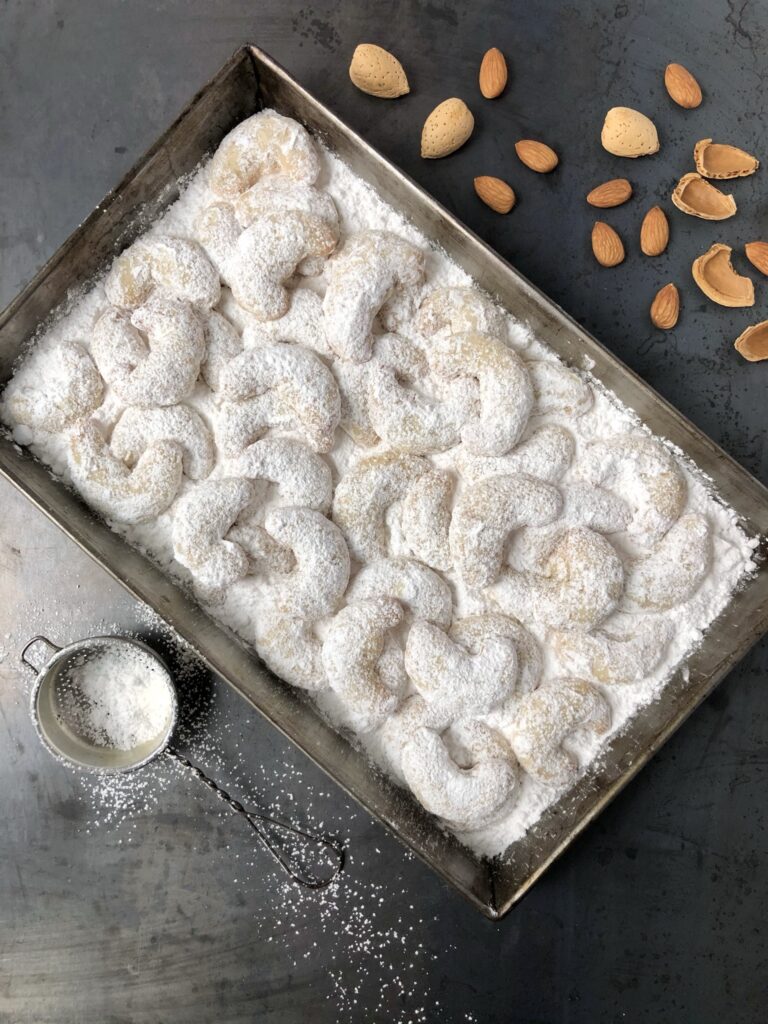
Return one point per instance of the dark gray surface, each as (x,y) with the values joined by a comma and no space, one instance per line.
(148,905)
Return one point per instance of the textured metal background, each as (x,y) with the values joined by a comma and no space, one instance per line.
(660,909)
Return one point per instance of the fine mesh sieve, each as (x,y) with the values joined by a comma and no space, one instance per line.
(64,689)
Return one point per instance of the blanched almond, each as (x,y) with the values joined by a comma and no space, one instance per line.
(695,196)
(493,74)
(682,86)
(714,274)
(654,232)
(665,308)
(757,254)
(606,245)
(717,160)
(753,343)
(627,132)
(495,193)
(610,193)
(537,155)
(446,129)
(377,72)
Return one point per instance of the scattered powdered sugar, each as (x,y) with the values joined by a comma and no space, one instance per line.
(115,697)
(573,410)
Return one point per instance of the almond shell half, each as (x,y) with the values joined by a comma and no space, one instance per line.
(753,343)
(717,160)
(714,274)
(695,196)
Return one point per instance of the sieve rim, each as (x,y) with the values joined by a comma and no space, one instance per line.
(44,673)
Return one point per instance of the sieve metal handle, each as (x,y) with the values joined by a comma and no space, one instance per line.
(31,643)
(331,847)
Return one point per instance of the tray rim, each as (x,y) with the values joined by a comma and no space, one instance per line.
(492,906)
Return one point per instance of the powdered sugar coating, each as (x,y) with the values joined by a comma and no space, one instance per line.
(273,603)
(111,487)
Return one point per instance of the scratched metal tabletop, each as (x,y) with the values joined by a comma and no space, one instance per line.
(141,901)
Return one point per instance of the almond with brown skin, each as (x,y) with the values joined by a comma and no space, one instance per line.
(610,193)
(757,254)
(654,232)
(495,193)
(682,86)
(606,245)
(493,74)
(537,155)
(665,308)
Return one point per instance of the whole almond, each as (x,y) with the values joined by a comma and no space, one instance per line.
(682,86)
(627,132)
(606,245)
(377,72)
(493,74)
(536,155)
(446,129)
(757,254)
(495,193)
(665,308)
(654,232)
(610,193)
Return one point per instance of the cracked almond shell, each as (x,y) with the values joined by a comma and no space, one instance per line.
(753,343)
(714,274)
(718,160)
(695,196)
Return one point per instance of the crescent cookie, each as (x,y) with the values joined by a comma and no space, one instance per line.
(614,654)
(265,144)
(54,404)
(486,514)
(475,631)
(423,593)
(390,351)
(203,518)
(578,583)
(153,355)
(460,311)
(315,586)
(291,650)
(281,195)
(644,474)
(547,717)
(673,572)
(279,385)
(257,261)
(365,493)
(506,393)
(111,487)
(368,684)
(464,683)
(368,271)
(138,428)
(558,389)
(173,265)
(301,477)
(465,795)
(546,455)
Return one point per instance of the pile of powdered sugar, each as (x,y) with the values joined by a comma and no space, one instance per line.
(115,697)
(361,208)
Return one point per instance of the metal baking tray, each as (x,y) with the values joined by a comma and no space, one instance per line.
(249,81)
